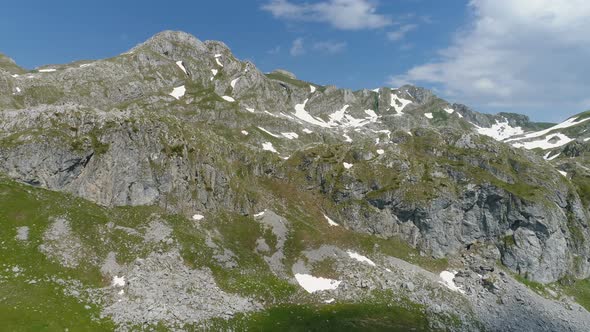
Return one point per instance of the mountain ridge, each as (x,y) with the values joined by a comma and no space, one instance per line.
(186,154)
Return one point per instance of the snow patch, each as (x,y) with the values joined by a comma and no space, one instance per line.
(562,173)
(428,115)
(18,89)
(549,142)
(395,101)
(249,109)
(360,258)
(181,66)
(218,62)
(84,65)
(198,217)
(302,114)
(259,214)
(548,158)
(330,221)
(14,75)
(380,151)
(500,131)
(118,281)
(290,135)
(267,146)
(312,88)
(566,124)
(48,70)
(245,133)
(449,110)
(329,301)
(268,132)
(347,138)
(228,98)
(314,284)
(307,131)
(347,165)
(233,82)
(447,280)
(178,92)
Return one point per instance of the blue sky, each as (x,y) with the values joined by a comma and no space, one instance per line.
(493,55)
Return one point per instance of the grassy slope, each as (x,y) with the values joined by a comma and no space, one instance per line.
(32,307)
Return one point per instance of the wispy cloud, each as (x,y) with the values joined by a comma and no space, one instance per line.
(274,50)
(297,47)
(515,55)
(401,32)
(329,47)
(340,14)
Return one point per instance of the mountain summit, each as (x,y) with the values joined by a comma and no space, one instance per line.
(177,186)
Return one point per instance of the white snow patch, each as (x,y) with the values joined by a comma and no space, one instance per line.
(198,217)
(121,292)
(394,103)
(181,66)
(268,132)
(329,301)
(347,165)
(84,65)
(214,71)
(314,284)
(267,146)
(428,115)
(48,70)
(233,82)
(118,281)
(360,258)
(218,62)
(15,75)
(290,135)
(249,109)
(218,55)
(287,116)
(371,113)
(244,133)
(347,138)
(18,89)
(312,88)
(302,114)
(447,280)
(500,131)
(587,139)
(375,90)
(178,92)
(546,157)
(558,139)
(260,214)
(228,98)
(566,124)
(449,110)
(330,221)
(307,131)
(563,173)
(380,151)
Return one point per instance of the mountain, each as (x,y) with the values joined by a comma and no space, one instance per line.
(175,186)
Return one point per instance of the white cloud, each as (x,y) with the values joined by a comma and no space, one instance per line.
(516,55)
(329,47)
(297,48)
(401,32)
(340,14)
